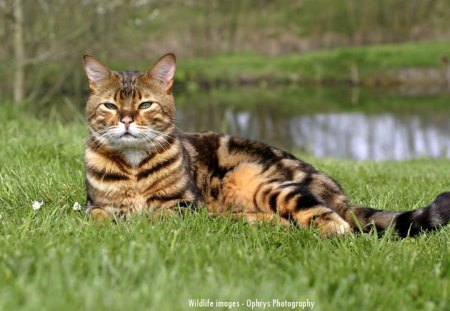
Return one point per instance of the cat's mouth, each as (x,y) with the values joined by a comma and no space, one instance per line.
(127,135)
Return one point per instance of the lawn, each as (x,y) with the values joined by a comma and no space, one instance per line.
(55,258)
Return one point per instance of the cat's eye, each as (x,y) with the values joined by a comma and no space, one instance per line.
(145,105)
(110,106)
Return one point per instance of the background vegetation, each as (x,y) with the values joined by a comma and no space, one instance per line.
(42,41)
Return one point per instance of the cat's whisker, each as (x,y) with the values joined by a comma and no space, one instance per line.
(164,140)
(155,136)
(102,138)
(177,128)
(147,139)
(166,143)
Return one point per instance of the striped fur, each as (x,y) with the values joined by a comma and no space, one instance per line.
(136,160)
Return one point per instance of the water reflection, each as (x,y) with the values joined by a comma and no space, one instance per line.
(377,137)
(343,135)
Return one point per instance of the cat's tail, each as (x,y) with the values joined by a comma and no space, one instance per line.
(408,223)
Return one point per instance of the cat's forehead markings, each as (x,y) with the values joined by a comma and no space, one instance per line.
(128,80)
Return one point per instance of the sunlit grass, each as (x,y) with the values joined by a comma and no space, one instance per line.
(55,258)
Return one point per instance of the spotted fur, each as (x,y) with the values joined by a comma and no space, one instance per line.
(136,160)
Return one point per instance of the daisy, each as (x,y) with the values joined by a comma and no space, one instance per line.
(37,205)
(76,206)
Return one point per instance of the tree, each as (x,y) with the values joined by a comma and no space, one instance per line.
(19,53)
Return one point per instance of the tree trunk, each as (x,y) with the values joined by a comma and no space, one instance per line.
(19,53)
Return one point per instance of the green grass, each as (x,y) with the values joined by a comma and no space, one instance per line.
(57,259)
(372,62)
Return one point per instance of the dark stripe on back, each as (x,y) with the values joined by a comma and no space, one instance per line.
(287,172)
(255,195)
(307,180)
(206,146)
(259,151)
(307,201)
(290,196)
(273,201)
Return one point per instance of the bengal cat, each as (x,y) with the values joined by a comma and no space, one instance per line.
(136,160)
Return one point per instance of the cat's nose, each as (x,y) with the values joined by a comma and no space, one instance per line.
(127,120)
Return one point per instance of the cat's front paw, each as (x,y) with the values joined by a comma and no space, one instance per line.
(336,226)
(329,223)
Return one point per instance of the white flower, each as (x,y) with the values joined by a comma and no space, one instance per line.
(37,205)
(76,206)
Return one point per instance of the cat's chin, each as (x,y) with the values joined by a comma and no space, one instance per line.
(126,141)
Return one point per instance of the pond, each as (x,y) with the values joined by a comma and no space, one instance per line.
(326,122)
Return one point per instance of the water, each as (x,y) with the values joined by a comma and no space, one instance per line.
(376,137)
(327,123)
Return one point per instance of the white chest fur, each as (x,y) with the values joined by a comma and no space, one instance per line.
(134,156)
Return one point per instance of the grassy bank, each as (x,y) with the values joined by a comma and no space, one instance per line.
(57,259)
(366,65)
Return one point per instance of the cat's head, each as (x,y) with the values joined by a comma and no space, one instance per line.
(131,109)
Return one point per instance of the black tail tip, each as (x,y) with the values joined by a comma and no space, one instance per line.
(433,216)
(443,200)
(440,209)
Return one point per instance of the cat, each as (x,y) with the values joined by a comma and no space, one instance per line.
(136,160)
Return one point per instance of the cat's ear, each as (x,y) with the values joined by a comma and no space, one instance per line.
(96,72)
(163,71)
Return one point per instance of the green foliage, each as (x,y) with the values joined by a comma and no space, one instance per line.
(58,259)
